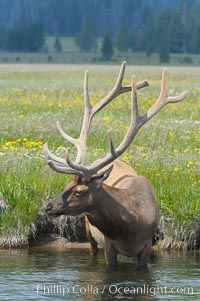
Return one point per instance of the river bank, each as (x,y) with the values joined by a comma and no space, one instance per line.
(69,232)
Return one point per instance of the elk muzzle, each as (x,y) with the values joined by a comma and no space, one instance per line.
(49,207)
(55,206)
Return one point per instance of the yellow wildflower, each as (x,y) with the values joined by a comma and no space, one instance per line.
(21,116)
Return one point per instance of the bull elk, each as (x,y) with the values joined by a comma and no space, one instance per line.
(120,206)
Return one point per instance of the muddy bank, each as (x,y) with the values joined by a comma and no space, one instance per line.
(56,241)
(62,230)
(69,232)
(171,238)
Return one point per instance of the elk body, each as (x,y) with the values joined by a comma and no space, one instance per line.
(120,206)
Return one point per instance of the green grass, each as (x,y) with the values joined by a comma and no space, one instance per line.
(34,97)
(71,54)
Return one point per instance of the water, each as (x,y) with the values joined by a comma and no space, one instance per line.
(50,274)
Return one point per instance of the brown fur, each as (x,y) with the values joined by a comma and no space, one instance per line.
(121,213)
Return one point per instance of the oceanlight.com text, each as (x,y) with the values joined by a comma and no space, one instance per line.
(110,289)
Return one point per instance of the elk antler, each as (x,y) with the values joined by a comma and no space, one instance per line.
(137,121)
(60,165)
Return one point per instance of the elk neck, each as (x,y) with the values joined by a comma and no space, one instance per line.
(108,213)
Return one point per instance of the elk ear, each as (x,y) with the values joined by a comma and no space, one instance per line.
(78,179)
(100,178)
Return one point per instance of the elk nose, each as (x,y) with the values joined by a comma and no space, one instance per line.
(49,207)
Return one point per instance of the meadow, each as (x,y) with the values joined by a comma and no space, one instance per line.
(72,54)
(166,149)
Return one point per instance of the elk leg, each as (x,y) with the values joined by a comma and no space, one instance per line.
(110,253)
(92,241)
(143,256)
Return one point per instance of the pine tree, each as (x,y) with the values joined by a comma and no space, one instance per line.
(163,35)
(136,40)
(86,39)
(122,39)
(177,36)
(163,53)
(57,45)
(107,48)
(149,31)
(27,39)
(193,30)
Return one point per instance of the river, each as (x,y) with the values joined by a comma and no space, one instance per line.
(42,273)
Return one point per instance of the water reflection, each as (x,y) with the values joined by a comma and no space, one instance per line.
(41,273)
(125,282)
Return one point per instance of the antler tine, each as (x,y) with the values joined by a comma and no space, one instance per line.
(135,114)
(58,164)
(135,124)
(60,168)
(117,90)
(113,93)
(64,135)
(80,143)
(75,142)
(86,91)
(50,156)
(83,170)
(163,98)
(90,111)
(81,156)
(111,143)
(77,167)
(114,153)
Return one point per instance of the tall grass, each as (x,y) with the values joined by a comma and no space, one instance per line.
(33,98)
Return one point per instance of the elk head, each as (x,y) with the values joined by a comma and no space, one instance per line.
(80,195)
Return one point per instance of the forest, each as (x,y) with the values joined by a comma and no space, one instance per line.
(165,27)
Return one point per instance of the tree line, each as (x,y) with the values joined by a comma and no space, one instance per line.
(66,17)
(168,30)
(29,38)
